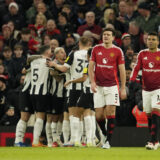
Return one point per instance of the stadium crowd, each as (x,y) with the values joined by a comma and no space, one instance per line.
(26,26)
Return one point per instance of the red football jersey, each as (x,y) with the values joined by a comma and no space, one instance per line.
(149,62)
(106,64)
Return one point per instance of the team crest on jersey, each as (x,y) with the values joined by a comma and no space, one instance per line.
(104,61)
(111,54)
(158,58)
(151,64)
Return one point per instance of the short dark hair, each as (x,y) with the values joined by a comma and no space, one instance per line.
(18,46)
(153,34)
(7,48)
(109,29)
(43,49)
(25,31)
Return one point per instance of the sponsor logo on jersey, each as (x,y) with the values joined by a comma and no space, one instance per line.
(104,61)
(99,53)
(151,64)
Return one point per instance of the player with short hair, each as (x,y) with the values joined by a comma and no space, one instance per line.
(55,110)
(149,61)
(40,90)
(75,62)
(106,60)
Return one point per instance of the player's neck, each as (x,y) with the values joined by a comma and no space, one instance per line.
(109,45)
(153,50)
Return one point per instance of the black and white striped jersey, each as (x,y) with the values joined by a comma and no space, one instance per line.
(76,62)
(68,77)
(57,88)
(87,83)
(27,82)
(39,77)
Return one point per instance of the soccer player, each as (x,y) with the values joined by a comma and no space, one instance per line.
(39,91)
(25,104)
(85,104)
(106,60)
(55,112)
(149,61)
(75,62)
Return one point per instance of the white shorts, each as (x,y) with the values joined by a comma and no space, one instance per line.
(106,96)
(151,100)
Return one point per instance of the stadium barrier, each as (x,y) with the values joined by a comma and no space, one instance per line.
(122,137)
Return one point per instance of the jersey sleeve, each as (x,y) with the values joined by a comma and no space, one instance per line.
(137,67)
(93,55)
(121,57)
(69,60)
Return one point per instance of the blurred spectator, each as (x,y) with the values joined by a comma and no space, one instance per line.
(56,7)
(8,115)
(16,65)
(143,45)
(122,6)
(126,41)
(70,15)
(63,25)
(7,35)
(14,33)
(40,23)
(99,9)
(52,30)
(31,12)
(69,43)
(33,46)
(147,20)
(7,53)
(25,37)
(54,44)
(13,15)
(131,14)
(1,44)
(110,17)
(90,26)
(136,35)
(33,30)
(128,56)
(46,39)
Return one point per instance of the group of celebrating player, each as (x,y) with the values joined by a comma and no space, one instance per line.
(69,91)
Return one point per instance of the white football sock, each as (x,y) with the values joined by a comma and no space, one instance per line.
(93,127)
(66,130)
(59,129)
(75,129)
(54,131)
(49,133)
(88,128)
(72,139)
(20,131)
(80,131)
(38,126)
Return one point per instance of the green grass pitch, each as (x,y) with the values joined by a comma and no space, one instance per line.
(115,153)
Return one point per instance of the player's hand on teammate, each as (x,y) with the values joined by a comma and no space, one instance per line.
(50,63)
(94,87)
(67,83)
(123,94)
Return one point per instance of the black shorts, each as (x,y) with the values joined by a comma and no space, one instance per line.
(74,95)
(86,101)
(40,102)
(66,104)
(56,105)
(25,104)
